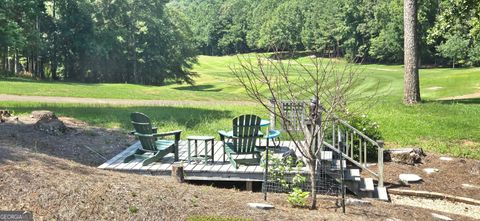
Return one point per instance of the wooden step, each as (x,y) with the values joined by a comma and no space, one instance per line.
(348,174)
(336,164)
(326,155)
(366,184)
(352,174)
(381,193)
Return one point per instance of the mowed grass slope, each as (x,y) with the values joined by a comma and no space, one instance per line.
(451,127)
(214,83)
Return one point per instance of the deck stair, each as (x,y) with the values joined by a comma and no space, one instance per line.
(354,154)
(354,182)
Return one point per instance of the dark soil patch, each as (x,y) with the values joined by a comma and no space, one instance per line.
(81,142)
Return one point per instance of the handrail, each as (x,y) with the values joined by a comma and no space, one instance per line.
(350,159)
(361,150)
(356,131)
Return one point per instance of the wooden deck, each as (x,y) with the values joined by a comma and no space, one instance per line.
(217,171)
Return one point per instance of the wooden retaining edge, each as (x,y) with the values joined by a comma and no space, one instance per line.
(434,195)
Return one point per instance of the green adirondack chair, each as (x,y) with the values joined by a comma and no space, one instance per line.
(242,139)
(152,149)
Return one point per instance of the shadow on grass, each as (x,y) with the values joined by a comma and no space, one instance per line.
(206,88)
(456,101)
(189,117)
(87,145)
(76,83)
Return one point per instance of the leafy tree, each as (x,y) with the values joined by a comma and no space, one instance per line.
(454,48)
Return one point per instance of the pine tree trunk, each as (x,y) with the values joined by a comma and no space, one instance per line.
(411,92)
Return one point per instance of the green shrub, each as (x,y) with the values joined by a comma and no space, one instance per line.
(369,128)
(298,197)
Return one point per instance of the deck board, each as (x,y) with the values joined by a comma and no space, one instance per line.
(216,171)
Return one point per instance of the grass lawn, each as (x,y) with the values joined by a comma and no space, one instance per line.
(193,120)
(442,126)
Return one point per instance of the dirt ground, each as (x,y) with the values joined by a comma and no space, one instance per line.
(55,178)
(449,179)
(81,143)
(58,189)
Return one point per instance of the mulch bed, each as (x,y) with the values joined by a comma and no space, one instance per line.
(58,189)
(449,179)
(55,178)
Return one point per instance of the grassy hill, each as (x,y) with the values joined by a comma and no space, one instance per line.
(450,127)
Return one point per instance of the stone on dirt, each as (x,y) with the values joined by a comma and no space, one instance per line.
(409,178)
(430,170)
(409,156)
(441,217)
(446,158)
(261,206)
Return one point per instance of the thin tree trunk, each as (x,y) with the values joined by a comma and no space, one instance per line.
(54,53)
(41,70)
(313,184)
(16,60)
(7,67)
(411,92)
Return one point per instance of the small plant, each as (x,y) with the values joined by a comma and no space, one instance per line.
(279,169)
(298,197)
(133,209)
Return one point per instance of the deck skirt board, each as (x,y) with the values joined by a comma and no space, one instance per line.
(217,171)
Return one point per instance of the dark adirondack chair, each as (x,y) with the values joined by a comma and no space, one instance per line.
(242,139)
(152,149)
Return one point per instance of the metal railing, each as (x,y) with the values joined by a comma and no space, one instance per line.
(355,146)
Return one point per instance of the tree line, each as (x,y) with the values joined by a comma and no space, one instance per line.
(371,31)
(136,41)
(156,42)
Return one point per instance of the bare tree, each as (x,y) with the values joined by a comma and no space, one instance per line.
(331,83)
(411,91)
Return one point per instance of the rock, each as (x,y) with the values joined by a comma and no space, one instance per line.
(51,126)
(261,206)
(409,178)
(446,158)
(410,156)
(430,170)
(357,202)
(441,217)
(4,115)
(43,114)
(393,219)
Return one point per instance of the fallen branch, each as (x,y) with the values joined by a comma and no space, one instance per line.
(434,195)
(95,152)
